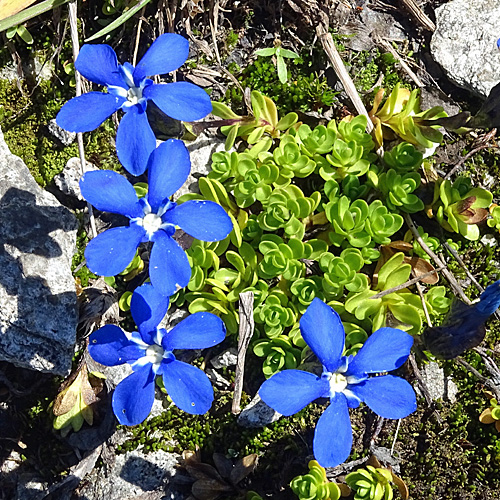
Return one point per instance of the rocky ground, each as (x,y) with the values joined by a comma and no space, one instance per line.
(447,49)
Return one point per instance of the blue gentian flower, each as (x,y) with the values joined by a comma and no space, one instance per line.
(152,218)
(464,326)
(150,353)
(345,381)
(129,89)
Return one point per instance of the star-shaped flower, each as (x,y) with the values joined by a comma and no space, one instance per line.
(129,89)
(152,218)
(150,353)
(346,381)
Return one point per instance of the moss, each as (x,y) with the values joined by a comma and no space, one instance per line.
(25,116)
(367,66)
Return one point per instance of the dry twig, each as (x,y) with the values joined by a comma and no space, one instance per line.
(457,289)
(78,88)
(245,334)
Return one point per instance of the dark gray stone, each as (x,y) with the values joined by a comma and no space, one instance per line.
(257,414)
(38,314)
(465,43)
(63,136)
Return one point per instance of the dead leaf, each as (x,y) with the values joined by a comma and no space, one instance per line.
(243,468)
(10,7)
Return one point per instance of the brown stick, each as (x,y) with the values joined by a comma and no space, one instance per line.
(457,289)
(338,65)
(419,14)
(245,334)
(407,283)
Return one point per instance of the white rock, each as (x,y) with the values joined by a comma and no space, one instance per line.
(465,43)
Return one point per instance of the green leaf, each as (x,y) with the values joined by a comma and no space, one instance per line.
(290,54)
(118,22)
(287,121)
(24,34)
(282,72)
(222,111)
(266,52)
(11,32)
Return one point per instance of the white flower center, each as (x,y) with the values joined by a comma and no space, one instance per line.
(151,223)
(154,354)
(134,94)
(337,383)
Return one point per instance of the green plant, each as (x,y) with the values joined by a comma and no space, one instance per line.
(264,119)
(341,271)
(280,54)
(275,314)
(371,483)
(279,354)
(314,485)
(401,116)
(397,190)
(21,31)
(405,307)
(459,207)
(403,158)
(492,414)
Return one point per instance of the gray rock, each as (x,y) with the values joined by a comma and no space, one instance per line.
(464,43)
(38,313)
(133,475)
(200,151)
(68,180)
(226,358)
(66,138)
(257,414)
(438,385)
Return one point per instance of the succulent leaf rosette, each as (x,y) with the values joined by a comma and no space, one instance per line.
(129,89)
(150,353)
(346,381)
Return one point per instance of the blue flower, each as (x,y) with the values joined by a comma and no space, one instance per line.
(150,353)
(345,380)
(129,89)
(152,218)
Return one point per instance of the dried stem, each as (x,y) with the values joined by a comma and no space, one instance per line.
(457,289)
(78,88)
(407,283)
(338,65)
(245,334)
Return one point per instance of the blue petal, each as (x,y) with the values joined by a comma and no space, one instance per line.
(388,396)
(384,351)
(198,331)
(203,220)
(169,267)
(188,387)
(134,396)
(168,169)
(289,391)
(112,251)
(86,112)
(148,308)
(333,435)
(109,191)
(110,346)
(322,330)
(98,64)
(168,52)
(489,300)
(180,100)
(135,141)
